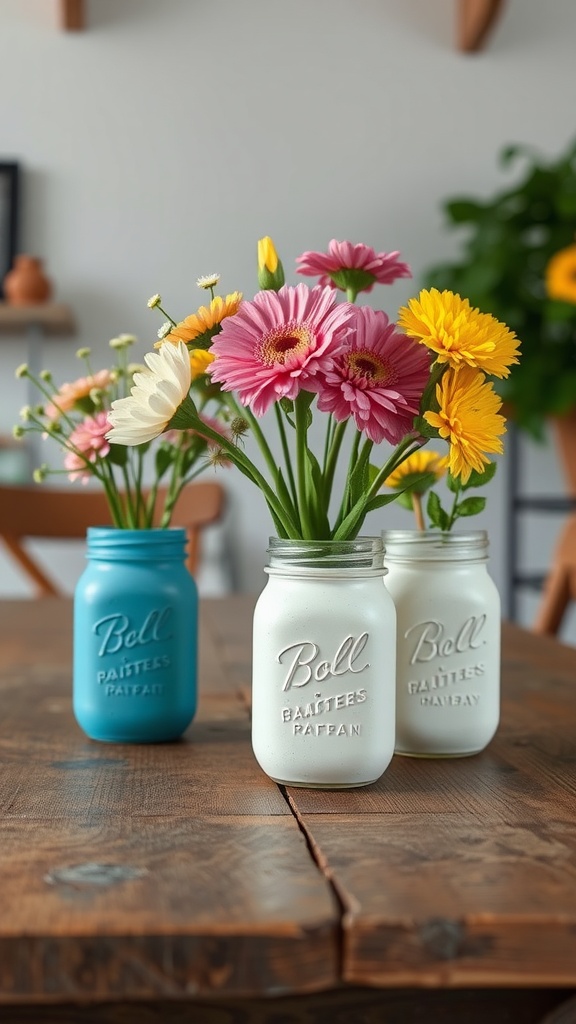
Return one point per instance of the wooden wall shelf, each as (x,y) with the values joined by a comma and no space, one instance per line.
(50,318)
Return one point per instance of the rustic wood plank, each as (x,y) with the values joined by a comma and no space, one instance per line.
(342,1006)
(466,869)
(144,871)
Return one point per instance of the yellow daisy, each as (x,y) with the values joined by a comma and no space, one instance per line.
(468,419)
(200,360)
(422,465)
(203,323)
(459,334)
(561,275)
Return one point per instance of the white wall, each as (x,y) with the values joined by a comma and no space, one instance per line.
(159,144)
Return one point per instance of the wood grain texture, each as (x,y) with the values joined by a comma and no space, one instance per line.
(175,872)
(466,869)
(144,871)
(341,1006)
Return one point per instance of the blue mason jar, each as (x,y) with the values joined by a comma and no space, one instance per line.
(135,636)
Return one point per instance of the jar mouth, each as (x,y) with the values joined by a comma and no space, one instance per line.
(434,544)
(362,554)
(112,543)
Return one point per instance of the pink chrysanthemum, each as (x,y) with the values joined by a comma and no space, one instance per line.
(378,379)
(275,345)
(358,266)
(88,439)
(69,394)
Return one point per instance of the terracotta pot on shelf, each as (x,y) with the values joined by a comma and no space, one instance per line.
(26,283)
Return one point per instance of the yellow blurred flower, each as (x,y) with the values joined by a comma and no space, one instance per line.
(468,419)
(561,275)
(421,465)
(205,321)
(200,360)
(459,334)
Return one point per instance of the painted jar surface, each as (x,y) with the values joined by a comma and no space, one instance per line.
(135,636)
(448,674)
(323,685)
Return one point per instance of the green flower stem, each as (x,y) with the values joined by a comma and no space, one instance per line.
(402,451)
(187,417)
(167,315)
(301,417)
(286,451)
(246,413)
(131,517)
(452,518)
(351,293)
(332,460)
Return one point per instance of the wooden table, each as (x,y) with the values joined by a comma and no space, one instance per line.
(178,883)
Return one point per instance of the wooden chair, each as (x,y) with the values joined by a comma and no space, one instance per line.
(44,512)
(560,584)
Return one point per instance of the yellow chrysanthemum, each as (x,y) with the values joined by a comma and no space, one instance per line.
(206,319)
(561,275)
(415,466)
(468,419)
(459,334)
(200,360)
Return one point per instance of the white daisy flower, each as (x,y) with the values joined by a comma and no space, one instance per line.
(165,329)
(156,395)
(154,300)
(209,281)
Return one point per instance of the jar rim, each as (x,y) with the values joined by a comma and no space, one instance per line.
(436,545)
(361,555)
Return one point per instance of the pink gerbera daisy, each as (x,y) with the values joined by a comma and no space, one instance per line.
(378,379)
(89,441)
(352,268)
(275,345)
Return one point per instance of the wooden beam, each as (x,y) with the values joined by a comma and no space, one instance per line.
(72,15)
(475,21)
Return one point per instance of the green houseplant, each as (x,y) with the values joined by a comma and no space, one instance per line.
(509,242)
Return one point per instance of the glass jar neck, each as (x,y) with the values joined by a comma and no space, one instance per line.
(435,546)
(362,557)
(109,543)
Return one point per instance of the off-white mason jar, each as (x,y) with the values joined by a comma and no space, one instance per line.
(324,653)
(448,667)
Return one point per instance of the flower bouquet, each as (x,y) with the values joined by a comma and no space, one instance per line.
(142,484)
(303,354)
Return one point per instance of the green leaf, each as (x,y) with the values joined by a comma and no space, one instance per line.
(436,514)
(470,506)
(461,211)
(164,458)
(118,454)
(453,483)
(405,500)
(477,479)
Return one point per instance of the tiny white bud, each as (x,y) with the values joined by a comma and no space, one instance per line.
(45,375)
(22,370)
(18,432)
(83,353)
(26,413)
(208,281)
(122,341)
(154,300)
(165,329)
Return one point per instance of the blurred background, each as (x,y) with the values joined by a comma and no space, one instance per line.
(161,141)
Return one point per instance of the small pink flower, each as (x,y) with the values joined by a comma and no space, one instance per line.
(378,379)
(88,439)
(357,266)
(275,345)
(69,394)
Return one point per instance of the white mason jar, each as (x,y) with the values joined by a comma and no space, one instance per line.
(324,651)
(448,674)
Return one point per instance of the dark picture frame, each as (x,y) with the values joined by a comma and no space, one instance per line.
(9,203)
